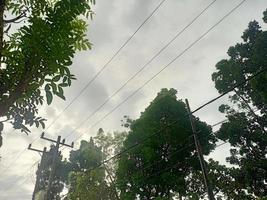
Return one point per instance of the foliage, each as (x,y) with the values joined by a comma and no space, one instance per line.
(45,170)
(158,167)
(110,143)
(246,128)
(225,180)
(87,179)
(36,59)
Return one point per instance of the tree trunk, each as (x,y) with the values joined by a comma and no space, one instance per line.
(2,9)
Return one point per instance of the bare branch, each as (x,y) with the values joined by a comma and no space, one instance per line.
(6,31)
(15,20)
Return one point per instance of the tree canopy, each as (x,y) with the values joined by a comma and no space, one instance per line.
(86,177)
(35,59)
(44,170)
(246,129)
(162,146)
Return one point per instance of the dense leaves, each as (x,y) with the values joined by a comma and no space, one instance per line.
(83,181)
(36,60)
(87,179)
(44,170)
(140,170)
(226,183)
(246,129)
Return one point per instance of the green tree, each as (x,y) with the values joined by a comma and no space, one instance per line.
(225,181)
(110,144)
(137,174)
(35,60)
(246,128)
(87,180)
(45,170)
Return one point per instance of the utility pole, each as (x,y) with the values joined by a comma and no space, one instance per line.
(54,159)
(39,170)
(200,155)
(112,182)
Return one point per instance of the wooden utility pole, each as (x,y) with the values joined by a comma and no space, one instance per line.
(112,182)
(39,170)
(200,155)
(54,159)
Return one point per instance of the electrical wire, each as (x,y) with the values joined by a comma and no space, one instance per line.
(96,75)
(166,66)
(109,61)
(170,167)
(201,107)
(179,33)
(175,152)
(190,47)
(25,177)
(172,123)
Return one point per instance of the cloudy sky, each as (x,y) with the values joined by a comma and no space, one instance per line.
(113,24)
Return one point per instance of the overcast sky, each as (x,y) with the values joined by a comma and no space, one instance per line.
(113,23)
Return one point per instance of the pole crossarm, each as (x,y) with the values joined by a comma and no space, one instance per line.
(56,141)
(56,153)
(37,150)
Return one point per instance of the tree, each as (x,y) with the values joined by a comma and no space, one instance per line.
(159,166)
(246,128)
(35,60)
(44,173)
(111,145)
(225,181)
(87,180)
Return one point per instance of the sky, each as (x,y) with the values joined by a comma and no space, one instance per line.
(113,23)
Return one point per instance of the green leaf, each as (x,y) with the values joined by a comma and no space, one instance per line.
(63,84)
(56,78)
(49,97)
(60,93)
(1,126)
(37,124)
(42,124)
(54,87)
(47,87)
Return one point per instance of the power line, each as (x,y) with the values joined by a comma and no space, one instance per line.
(199,108)
(25,177)
(173,154)
(190,46)
(165,169)
(179,33)
(108,62)
(169,156)
(97,74)
(226,120)
(145,166)
(166,66)
(174,122)
(210,102)
(220,122)
(12,162)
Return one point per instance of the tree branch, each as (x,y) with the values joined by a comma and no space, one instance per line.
(14,20)
(17,92)
(251,111)
(2,9)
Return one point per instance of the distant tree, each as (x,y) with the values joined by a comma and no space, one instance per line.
(225,182)
(35,60)
(246,129)
(86,179)
(45,170)
(111,145)
(139,173)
